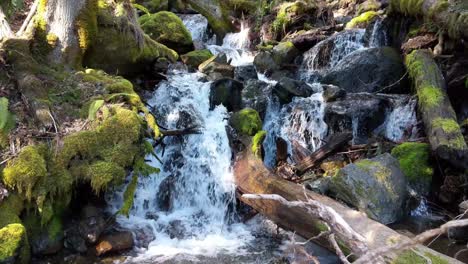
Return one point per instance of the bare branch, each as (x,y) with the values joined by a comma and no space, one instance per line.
(28,19)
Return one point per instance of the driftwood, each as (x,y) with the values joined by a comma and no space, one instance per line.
(335,142)
(449,15)
(253,178)
(439,118)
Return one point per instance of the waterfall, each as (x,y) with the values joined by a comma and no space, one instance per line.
(401,122)
(236,47)
(302,121)
(198,27)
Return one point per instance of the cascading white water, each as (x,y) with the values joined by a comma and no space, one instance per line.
(198,27)
(236,47)
(302,121)
(401,123)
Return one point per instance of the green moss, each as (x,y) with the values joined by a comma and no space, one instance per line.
(10,209)
(414,159)
(448,125)
(257,142)
(247,121)
(410,257)
(243,6)
(87,25)
(167,28)
(14,246)
(430,96)
(7,122)
(129,195)
(197,57)
(362,20)
(381,172)
(286,12)
(407,7)
(102,173)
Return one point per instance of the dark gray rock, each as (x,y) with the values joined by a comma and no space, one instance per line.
(92,224)
(255,95)
(166,192)
(288,88)
(74,241)
(265,63)
(370,70)
(362,113)
(227,92)
(332,92)
(375,186)
(176,229)
(244,73)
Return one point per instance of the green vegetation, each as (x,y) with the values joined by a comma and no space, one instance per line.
(287,11)
(362,20)
(247,121)
(196,57)
(129,196)
(14,246)
(448,125)
(369,166)
(408,7)
(414,161)
(7,122)
(410,257)
(257,142)
(430,96)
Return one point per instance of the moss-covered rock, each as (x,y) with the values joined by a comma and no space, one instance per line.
(414,159)
(287,11)
(197,57)
(167,28)
(257,142)
(154,6)
(362,20)
(217,14)
(7,122)
(14,246)
(247,121)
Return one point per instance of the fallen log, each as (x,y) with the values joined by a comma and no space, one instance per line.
(252,177)
(336,141)
(439,118)
(449,15)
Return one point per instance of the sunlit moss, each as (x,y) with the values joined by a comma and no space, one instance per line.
(257,142)
(414,161)
(362,20)
(247,121)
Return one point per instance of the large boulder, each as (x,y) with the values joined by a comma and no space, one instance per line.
(196,57)
(167,28)
(359,113)
(227,92)
(375,186)
(216,12)
(245,72)
(370,70)
(281,55)
(255,95)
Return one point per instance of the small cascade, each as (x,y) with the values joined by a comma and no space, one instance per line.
(236,46)
(301,121)
(401,123)
(378,36)
(422,209)
(198,27)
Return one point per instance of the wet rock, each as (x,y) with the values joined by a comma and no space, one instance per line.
(307,40)
(196,57)
(227,92)
(114,243)
(332,92)
(370,70)
(176,229)
(215,69)
(284,52)
(45,243)
(73,240)
(166,192)
(144,236)
(376,186)
(255,95)
(320,185)
(92,224)
(288,88)
(265,63)
(244,73)
(361,112)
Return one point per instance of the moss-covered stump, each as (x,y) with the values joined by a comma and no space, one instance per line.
(167,28)
(247,122)
(439,118)
(197,57)
(414,159)
(14,247)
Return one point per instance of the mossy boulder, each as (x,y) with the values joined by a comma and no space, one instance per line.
(414,159)
(246,122)
(217,14)
(362,20)
(197,57)
(284,52)
(167,28)
(14,246)
(288,11)
(376,186)
(257,141)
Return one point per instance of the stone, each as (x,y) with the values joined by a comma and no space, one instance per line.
(370,70)
(196,57)
(73,240)
(375,186)
(255,95)
(265,63)
(217,67)
(332,92)
(165,193)
(288,88)
(92,224)
(284,52)
(115,242)
(244,73)
(227,92)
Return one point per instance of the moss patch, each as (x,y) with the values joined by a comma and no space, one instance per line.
(247,121)
(362,20)
(257,142)
(14,244)
(407,7)
(448,125)
(410,257)
(7,122)
(414,159)
(197,57)
(167,28)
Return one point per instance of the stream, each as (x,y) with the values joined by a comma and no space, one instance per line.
(187,212)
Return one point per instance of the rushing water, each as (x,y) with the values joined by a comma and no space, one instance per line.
(401,123)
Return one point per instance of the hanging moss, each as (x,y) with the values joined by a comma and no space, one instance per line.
(129,195)
(362,20)
(414,159)
(247,121)
(257,142)
(10,209)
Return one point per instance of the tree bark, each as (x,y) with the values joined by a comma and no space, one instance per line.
(439,118)
(252,177)
(5,30)
(450,15)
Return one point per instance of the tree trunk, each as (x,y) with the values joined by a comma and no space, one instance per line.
(450,15)
(5,30)
(252,177)
(439,118)
(60,17)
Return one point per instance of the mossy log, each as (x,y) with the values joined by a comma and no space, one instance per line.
(439,118)
(449,15)
(252,177)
